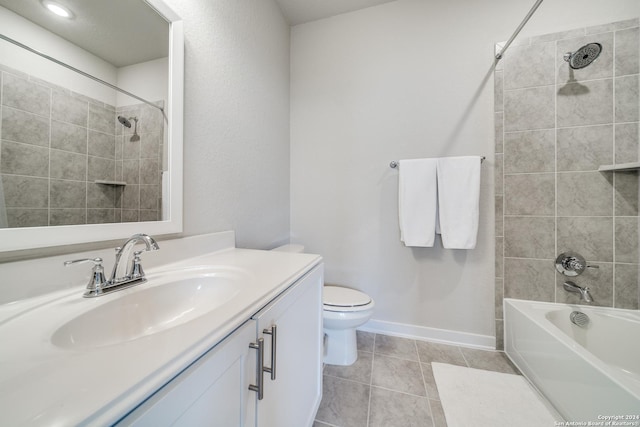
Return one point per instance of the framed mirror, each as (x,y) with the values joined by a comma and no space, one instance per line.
(91,121)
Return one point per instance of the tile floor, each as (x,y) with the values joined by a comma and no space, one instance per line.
(391,384)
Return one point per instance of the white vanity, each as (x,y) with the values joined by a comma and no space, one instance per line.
(184,348)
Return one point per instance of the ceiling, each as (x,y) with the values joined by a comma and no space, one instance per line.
(301,11)
(121,32)
(126,32)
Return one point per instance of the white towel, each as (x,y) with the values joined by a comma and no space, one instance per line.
(417,201)
(458,200)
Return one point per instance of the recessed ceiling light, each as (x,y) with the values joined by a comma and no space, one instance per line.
(57,8)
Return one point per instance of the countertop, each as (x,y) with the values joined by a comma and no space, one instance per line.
(45,385)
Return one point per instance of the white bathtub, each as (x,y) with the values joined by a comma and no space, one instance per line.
(587,374)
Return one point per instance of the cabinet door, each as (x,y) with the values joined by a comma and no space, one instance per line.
(214,391)
(292,399)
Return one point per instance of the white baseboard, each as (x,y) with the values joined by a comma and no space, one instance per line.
(423,333)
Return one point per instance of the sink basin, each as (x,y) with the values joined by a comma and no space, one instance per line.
(163,302)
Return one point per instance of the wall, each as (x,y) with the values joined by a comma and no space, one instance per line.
(236,139)
(148,80)
(406,79)
(555,127)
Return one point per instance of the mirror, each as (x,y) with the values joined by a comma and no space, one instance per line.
(91,121)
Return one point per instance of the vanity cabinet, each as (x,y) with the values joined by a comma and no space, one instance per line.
(215,389)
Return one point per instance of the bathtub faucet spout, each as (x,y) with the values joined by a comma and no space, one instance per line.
(583,291)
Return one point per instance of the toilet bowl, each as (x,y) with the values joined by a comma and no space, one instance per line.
(344,309)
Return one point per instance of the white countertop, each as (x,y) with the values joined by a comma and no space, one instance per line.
(45,385)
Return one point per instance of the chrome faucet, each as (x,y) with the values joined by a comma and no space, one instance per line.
(583,291)
(122,273)
(127,270)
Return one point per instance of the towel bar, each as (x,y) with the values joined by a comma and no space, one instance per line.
(394,163)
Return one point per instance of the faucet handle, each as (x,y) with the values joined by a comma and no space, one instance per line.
(97,280)
(136,268)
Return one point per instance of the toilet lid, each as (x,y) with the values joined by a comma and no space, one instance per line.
(337,296)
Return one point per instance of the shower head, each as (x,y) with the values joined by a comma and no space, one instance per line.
(124,121)
(583,56)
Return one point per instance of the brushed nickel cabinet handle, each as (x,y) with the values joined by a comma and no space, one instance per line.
(274,338)
(259,387)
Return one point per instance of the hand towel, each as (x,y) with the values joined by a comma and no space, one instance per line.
(417,201)
(458,200)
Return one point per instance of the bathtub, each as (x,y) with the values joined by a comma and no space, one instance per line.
(587,374)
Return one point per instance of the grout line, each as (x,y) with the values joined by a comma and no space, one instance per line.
(397,391)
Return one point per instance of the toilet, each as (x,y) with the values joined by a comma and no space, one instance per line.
(344,310)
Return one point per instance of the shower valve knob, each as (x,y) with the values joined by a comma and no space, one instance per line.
(572,264)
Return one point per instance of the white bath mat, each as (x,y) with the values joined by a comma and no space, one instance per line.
(474,397)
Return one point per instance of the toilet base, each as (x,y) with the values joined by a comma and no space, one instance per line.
(341,347)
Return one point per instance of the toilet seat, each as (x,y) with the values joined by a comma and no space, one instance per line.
(339,299)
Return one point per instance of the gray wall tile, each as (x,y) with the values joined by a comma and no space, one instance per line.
(67,165)
(499,208)
(499,132)
(529,194)
(130,149)
(626,240)
(498,99)
(499,295)
(130,215)
(627,99)
(530,151)
(150,145)
(100,169)
(585,193)
(584,148)
(529,237)
(499,264)
(626,194)
(102,119)
(499,174)
(24,127)
(67,216)
(529,66)
(149,196)
(21,217)
(24,95)
(627,145)
(627,283)
(24,159)
(589,236)
(100,216)
(102,145)
(585,103)
(149,171)
(131,197)
(68,194)
(627,51)
(529,279)
(131,171)
(68,137)
(100,196)
(69,109)
(25,192)
(529,109)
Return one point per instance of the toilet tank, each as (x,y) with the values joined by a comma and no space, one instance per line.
(291,247)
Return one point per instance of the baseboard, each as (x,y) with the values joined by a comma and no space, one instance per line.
(423,333)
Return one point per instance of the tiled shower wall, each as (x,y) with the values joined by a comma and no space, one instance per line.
(54,145)
(554,128)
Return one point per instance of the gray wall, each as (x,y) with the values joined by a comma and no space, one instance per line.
(554,128)
(236,120)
